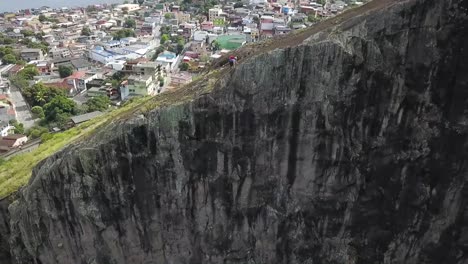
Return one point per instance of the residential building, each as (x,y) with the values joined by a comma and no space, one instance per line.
(59,53)
(83,118)
(141,85)
(214,13)
(129,7)
(147,68)
(5,129)
(183,17)
(198,47)
(167,59)
(180,78)
(10,142)
(32,54)
(266,25)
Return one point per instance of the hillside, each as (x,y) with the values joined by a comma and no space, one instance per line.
(342,143)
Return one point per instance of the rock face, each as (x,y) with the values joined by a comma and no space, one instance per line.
(349,148)
(5,256)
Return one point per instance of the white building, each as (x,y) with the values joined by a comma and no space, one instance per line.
(214,13)
(129,7)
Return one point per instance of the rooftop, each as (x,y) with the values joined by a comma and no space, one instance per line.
(83,118)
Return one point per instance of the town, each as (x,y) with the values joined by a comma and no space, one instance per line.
(64,66)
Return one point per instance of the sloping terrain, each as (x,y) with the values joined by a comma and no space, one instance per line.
(342,145)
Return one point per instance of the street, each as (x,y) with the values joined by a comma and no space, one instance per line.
(23,114)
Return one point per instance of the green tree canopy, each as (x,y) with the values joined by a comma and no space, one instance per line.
(42,18)
(59,109)
(184,66)
(123,33)
(9,59)
(98,103)
(65,71)
(130,23)
(29,72)
(19,127)
(164,38)
(37,111)
(27,32)
(86,31)
(39,94)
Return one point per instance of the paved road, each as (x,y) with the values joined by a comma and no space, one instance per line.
(22,109)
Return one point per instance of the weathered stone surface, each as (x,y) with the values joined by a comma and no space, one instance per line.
(5,256)
(349,148)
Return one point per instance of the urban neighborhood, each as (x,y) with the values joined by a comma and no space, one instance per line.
(64,66)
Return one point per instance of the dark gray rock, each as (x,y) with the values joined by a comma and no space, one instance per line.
(5,257)
(349,148)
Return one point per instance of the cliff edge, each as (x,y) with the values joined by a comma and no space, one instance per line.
(342,145)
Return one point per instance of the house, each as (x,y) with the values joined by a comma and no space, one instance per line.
(266,25)
(148,68)
(7,110)
(183,17)
(207,25)
(141,85)
(214,13)
(32,54)
(280,30)
(180,78)
(83,118)
(80,64)
(5,129)
(198,47)
(12,141)
(78,80)
(167,59)
(58,53)
(45,67)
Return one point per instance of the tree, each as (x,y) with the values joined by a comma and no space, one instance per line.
(161,81)
(39,94)
(141,1)
(29,72)
(184,66)
(130,23)
(42,18)
(98,103)
(86,31)
(312,18)
(59,109)
(27,32)
(216,45)
(164,38)
(238,4)
(65,71)
(168,15)
(9,59)
(180,47)
(38,112)
(19,127)
(37,131)
(123,33)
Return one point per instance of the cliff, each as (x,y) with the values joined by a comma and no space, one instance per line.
(345,143)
